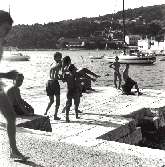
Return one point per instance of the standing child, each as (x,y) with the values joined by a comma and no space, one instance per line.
(116,67)
(53,86)
(73,90)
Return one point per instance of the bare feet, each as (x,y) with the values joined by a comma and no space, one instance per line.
(79,111)
(56,118)
(18,155)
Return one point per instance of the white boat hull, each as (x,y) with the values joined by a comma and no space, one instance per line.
(133,59)
(16,57)
(96,57)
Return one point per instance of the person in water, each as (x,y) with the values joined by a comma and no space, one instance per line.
(21,107)
(6,108)
(129,83)
(53,86)
(116,66)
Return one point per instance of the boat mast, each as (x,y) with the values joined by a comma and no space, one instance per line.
(124,27)
(123,23)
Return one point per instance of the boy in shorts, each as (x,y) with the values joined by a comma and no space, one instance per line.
(53,86)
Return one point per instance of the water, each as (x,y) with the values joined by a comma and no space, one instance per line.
(36,71)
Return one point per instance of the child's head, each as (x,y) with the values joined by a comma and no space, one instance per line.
(72,69)
(57,56)
(19,80)
(66,61)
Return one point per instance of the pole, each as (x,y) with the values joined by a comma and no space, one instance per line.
(124,26)
(123,23)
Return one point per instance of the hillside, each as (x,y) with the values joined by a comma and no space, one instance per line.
(46,36)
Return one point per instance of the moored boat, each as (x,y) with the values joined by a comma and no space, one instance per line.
(162,59)
(133,57)
(97,57)
(17,57)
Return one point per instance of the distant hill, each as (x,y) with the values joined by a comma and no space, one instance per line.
(46,36)
(150,13)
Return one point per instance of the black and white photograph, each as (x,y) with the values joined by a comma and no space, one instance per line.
(82,83)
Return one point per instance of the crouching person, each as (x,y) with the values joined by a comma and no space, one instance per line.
(21,107)
(129,83)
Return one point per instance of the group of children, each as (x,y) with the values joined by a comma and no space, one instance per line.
(77,82)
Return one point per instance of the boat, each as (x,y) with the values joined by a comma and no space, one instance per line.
(17,57)
(162,59)
(131,56)
(160,53)
(97,57)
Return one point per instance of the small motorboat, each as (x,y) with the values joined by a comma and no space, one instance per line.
(17,57)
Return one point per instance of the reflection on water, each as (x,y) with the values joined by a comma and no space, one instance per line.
(36,71)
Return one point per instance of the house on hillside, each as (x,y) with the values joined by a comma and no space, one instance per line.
(151,44)
(132,40)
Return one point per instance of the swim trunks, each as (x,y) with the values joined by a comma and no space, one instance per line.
(52,88)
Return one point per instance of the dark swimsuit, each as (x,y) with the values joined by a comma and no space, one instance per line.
(52,88)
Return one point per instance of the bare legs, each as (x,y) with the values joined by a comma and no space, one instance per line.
(8,112)
(51,101)
(117,75)
(51,98)
(86,71)
(69,104)
(57,107)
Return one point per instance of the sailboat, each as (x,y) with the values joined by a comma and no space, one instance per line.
(131,56)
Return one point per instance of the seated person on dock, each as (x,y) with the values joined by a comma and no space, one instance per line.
(21,107)
(84,74)
(129,83)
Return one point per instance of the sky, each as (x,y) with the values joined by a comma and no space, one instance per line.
(45,11)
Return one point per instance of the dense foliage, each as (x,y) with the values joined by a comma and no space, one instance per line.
(46,36)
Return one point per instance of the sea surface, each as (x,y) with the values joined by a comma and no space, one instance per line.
(36,71)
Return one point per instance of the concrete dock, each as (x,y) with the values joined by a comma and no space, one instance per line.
(105,135)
